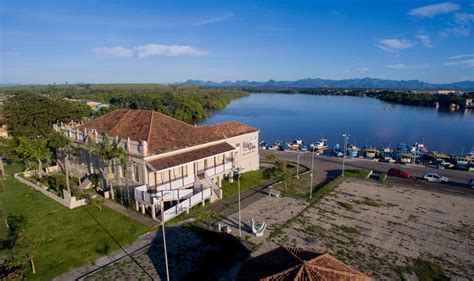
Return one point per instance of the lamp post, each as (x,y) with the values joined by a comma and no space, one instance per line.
(298,166)
(166,252)
(237,171)
(311,175)
(346,137)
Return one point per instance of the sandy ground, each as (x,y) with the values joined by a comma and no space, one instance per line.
(379,229)
(273,211)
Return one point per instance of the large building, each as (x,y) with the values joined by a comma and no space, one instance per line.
(172,165)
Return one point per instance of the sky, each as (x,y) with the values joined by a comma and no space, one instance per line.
(171,41)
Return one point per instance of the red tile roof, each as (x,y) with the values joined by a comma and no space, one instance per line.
(296,264)
(162,133)
(193,155)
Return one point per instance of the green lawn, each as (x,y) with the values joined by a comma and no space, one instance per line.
(248,180)
(71,237)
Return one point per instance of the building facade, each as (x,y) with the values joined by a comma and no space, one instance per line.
(172,166)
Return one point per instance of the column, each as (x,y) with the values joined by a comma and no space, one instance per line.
(143,208)
(136,205)
(153,211)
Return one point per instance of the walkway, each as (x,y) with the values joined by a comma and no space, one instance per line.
(131,214)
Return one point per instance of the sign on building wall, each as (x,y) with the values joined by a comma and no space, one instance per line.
(249,146)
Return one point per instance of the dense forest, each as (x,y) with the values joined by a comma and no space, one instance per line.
(401,97)
(184,102)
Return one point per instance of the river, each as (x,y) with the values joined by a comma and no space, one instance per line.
(368,121)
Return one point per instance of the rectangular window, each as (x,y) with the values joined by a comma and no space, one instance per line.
(136,174)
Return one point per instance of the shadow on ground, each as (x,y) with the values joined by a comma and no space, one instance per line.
(195,253)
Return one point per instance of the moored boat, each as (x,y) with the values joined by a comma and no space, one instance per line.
(352,151)
(337,151)
(320,145)
(369,152)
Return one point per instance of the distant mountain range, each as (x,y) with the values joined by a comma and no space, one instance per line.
(365,83)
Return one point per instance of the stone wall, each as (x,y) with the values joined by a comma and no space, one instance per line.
(68,202)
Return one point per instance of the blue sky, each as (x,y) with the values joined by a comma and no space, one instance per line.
(168,41)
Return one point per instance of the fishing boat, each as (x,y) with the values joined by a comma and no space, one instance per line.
(277,144)
(462,163)
(369,152)
(386,155)
(296,144)
(304,147)
(337,151)
(405,158)
(352,150)
(320,145)
(419,148)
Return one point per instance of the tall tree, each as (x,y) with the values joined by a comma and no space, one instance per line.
(33,151)
(31,114)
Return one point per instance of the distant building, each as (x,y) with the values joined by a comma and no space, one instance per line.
(172,165)
(445,92)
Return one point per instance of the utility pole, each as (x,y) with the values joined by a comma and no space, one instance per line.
(312,168)
(346,137)
(166,252)
(298,166)
(236,170)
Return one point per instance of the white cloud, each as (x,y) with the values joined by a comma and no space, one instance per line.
(363,69)
(435,9)
(117,51)
(466,63)
(461,56)
(464,18)
(215,19)
(405,66)
(459,31)
(425,39)
(394,45)
(167,50)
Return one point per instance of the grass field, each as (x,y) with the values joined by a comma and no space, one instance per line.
(71,237)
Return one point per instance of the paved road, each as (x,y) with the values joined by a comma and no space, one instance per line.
(329,166)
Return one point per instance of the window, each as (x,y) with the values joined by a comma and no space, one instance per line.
(136,173)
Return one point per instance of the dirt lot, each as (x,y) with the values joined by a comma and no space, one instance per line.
(379,229)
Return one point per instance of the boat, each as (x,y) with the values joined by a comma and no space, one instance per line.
(337,151)
(320,145)
(369,152)
(352,150)
(405,158)
(304,147)
(386,155)
(296,144)
(419,148)
(462,163)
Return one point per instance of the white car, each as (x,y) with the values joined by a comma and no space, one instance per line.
(432,177)
(471,182)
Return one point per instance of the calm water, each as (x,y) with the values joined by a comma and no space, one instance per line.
(367,120)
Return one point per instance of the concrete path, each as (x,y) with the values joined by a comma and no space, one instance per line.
(131,214)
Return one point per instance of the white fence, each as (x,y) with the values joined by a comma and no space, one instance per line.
(219,169)
(187,204)
(176,183)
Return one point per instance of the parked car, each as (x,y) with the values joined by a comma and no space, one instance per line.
(432,177)
(398,173)
(471,182)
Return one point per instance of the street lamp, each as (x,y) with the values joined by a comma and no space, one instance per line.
(166,253)
(237,171)
(298,166)
(346,137)
(311,175)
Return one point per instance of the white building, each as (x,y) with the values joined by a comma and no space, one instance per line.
(172,165)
